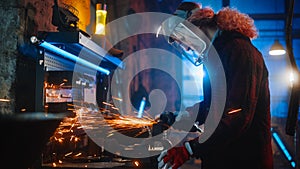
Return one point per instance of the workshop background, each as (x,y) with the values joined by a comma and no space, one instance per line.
(21,19)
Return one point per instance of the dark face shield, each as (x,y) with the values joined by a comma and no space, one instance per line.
(185,37)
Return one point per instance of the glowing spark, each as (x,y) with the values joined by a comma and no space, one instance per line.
(130,122)
(78,154)
(61,140)
(136,163)
(72,138)
(117,98)
(111,134)
(4,100)
(115,108)
(53,164)
(234,111)
(108,104)
(69,129)
(68,154)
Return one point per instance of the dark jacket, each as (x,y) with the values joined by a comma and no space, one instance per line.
(242,140)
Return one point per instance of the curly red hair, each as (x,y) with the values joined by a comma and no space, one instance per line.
(204,13)
(226,19)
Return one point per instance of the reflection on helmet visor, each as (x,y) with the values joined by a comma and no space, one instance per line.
(192,55)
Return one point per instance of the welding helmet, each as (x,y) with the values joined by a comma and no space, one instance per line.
(186,38)
(179,33)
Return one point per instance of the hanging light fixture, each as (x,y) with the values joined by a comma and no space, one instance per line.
(100,18)
(277,49)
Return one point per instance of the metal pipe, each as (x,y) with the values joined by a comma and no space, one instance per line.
(68,55)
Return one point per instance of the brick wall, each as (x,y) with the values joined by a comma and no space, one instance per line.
(19,20)
(9,32)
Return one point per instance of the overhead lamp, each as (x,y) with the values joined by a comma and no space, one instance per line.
(277,49)
(100,18)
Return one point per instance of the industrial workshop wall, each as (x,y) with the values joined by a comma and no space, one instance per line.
(20,20)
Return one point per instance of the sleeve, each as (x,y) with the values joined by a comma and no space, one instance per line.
(243,73)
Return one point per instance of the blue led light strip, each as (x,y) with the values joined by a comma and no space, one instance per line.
(72,57)
(283,148)
(142,108)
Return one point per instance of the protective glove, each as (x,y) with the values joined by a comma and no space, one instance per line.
(175,157)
